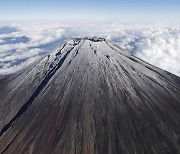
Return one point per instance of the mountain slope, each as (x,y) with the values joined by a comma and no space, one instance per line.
(90,96)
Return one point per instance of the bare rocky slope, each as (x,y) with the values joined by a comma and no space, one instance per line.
(89,96)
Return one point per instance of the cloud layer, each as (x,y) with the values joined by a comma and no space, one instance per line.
(156,43)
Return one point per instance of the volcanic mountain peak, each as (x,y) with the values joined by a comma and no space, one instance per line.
(89,96)
(93,39)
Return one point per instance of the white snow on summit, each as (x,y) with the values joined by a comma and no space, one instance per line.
(24,43)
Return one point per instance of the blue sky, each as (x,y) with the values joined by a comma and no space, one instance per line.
(94,9)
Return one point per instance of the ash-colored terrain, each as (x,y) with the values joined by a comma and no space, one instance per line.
(89,96)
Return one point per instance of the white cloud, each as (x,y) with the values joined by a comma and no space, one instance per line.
(12,54)
(38,34)
(157,43)
(11,69)
(1,41)
(22,55)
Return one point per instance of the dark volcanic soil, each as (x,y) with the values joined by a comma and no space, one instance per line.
(89,96)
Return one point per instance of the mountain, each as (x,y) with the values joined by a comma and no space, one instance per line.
(90,96)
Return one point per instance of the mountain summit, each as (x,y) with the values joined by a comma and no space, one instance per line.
(89,96)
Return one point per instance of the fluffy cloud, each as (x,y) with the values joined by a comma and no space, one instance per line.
(157,43)
(1,41)
(22,43)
